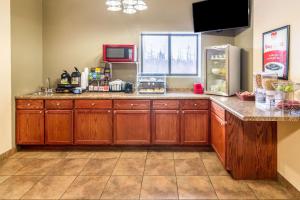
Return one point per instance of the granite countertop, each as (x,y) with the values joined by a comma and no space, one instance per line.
(114,95)
(246,111)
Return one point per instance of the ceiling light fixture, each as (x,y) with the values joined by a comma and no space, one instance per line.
(114,8)
(112,3)
(140,5)
(128,6)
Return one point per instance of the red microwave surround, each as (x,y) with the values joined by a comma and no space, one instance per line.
(119,53)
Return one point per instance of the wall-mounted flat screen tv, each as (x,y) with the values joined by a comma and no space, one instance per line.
(213,15)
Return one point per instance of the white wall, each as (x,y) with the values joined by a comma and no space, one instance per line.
(27,48)
(5,80)
(74,31)
(268,15)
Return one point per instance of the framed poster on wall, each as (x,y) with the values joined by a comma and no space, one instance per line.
(276,51)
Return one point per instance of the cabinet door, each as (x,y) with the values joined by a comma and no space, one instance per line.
(132,127)
(218,136)
(165,127)
(93,127)
(194,127)
(59,127)
(30,127)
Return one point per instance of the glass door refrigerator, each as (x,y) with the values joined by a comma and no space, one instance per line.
(223,70)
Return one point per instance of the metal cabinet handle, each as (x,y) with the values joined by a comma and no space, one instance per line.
(28,104)
(42,112)
(131,105)
(166,104)
(58,104)
(195,104)
(109,111)
(93,104)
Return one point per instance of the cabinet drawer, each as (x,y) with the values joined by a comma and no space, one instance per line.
(165,104)
(218,110)
(30,104)
(93,104)
(132,104)
(59,104)
(194,105)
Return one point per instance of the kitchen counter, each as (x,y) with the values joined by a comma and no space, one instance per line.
(246,111)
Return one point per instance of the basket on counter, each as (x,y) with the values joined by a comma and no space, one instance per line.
(245,97)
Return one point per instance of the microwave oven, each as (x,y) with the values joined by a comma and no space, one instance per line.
(119,53)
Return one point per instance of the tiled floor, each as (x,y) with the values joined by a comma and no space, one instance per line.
(126,175)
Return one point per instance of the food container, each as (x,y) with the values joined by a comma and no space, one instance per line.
(288,105)
(151,84)
(257,80)
(284,90)
(268,80)
(117,86)
(285,96)
(260,96)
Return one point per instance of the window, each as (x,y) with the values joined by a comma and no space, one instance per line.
(170,54)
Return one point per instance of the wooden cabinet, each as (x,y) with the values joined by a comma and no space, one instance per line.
(132,127)
(59,127)
(251,148)
(59,104)
(132,104)
(30,104)
(218,132)
(165,104)
(30,127)
(218,110)
(218,137)
(165,126)
(93,126)
(194,127)
(93,104)
(194,104)
(246,148)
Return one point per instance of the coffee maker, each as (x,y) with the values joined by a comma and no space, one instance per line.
(69,82)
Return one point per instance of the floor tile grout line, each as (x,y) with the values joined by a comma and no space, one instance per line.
(213,187)
(252,190)
(177,187)
(42,177)
(201,160)
(106,185)
(74,178)
(68,188)
(143,174)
